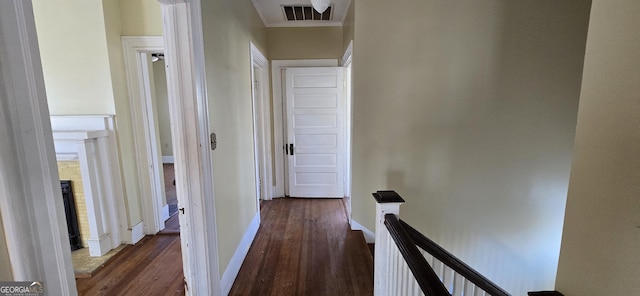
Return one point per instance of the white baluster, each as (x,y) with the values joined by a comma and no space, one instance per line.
(447,278)
(458,285)
(469,288)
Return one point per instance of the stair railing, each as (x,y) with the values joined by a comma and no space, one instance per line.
(408,263)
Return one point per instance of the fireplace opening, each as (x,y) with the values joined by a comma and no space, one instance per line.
(72,216)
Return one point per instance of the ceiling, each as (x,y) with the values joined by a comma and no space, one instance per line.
(273,15)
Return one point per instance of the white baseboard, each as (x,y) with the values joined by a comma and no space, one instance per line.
(369,235)
(99,246)
(165,213)
(167,159)
(230,274)
(133,235)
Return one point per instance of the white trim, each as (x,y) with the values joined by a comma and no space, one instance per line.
(134,235)
(143,120)
(230,274)
(348,95)
(96,167)
(99,246)
(66,127)
(369,235)
(165,213)
(67,157)
(304,24)
(348,53)
(188,108)
(261,125)
(259,11)
(344,16)
(278,121)
(32,212)
(168,159)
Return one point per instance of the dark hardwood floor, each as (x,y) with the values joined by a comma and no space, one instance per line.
(151,267)
(305,247)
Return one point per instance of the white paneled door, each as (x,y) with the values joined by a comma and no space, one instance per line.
(315,131)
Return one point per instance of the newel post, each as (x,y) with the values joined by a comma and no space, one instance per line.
(387,202)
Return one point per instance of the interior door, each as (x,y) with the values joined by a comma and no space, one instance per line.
(315,131)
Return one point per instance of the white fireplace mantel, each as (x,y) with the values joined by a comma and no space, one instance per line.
(95,149)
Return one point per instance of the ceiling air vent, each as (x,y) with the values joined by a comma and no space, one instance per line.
(305,13)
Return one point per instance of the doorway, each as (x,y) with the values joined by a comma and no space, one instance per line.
(161,108)
(315,129)
(144,60)
(278,68)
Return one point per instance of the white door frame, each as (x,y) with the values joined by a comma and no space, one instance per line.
(277,66)
(143,121)
(347,59)
(261,124)
(30,197)
(186,87)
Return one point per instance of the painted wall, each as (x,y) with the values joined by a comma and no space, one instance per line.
(601,240)
(468,110)
(229,26)
(348,25)
(162,107)
(305,43)
(5,261)
(113,30)
(73,47)
(141,17)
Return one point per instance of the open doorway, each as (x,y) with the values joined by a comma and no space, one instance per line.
(161,104)
(147,85)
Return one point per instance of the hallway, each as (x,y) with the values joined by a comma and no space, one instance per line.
(305,247)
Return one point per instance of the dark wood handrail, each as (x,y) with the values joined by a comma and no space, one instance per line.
(422,271)
(452,261)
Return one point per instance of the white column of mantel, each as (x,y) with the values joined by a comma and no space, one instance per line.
(110,208)
(99,238)
(93,154)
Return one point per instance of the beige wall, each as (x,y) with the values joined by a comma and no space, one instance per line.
(141,17)
(162,107)
(73,47)
(113,30)
(5,263)
(348,25)
(305,43)
(468,110)
(601,239)
(229,26)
